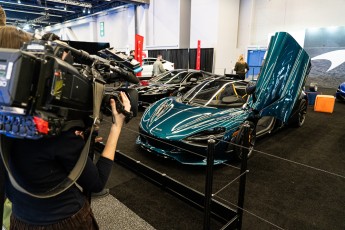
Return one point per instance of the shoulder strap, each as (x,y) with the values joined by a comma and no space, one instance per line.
(98,91)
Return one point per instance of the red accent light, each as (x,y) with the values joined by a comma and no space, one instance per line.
(57,74)
(144,83)
(41,125)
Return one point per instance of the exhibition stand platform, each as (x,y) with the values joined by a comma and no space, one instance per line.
(295,180)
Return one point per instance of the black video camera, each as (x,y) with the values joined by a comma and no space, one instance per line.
(41,94)
(121,60)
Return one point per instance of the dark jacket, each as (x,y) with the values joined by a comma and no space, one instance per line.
(38,165)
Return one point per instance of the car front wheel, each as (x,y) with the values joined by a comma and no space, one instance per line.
(302,113)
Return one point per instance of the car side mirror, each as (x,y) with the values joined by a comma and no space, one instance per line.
(250,90)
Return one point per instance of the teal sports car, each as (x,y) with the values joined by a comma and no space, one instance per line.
(179,127)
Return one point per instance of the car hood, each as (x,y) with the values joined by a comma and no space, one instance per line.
(169,119)
(282,77)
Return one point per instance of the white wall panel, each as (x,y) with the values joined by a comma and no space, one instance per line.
(163,24)
(81,33)
(226,51)
(215,23)
(204,23)
(270,16)
(119,28)
(229,26)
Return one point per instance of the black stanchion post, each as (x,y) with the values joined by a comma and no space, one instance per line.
(2,191)
(209,182)
(243,178)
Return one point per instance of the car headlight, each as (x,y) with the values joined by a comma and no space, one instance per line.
(201,138)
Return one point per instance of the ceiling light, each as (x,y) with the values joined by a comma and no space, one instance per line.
(84,10)
(88,11)
(65,8)
(72,2)
(19,1)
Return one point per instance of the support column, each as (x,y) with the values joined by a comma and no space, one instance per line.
(93,30)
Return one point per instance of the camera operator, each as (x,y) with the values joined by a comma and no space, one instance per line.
(41,164)
(13,38)
(2,17)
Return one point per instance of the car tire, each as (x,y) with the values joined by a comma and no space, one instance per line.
(301,113)
(239,140)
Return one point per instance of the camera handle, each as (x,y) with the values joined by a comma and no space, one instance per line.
(121,109)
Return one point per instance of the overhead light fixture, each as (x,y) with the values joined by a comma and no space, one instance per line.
(72,2)
(84,10)
(65,8)
(32,6)
(30,12)
(19,1)
(26,25)
(89,11)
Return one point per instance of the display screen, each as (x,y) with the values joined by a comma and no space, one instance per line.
(2,70)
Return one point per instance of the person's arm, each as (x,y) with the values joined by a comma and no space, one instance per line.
(110,146)
(236,67)
(247,67)
(161,67)
(94,177)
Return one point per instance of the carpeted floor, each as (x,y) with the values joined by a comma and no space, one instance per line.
(296,179)
(112,214)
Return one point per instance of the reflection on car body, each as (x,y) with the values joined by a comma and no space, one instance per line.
(179,127)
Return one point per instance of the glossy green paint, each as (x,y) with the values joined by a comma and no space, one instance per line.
(277,90)
(282,77)
(172,120)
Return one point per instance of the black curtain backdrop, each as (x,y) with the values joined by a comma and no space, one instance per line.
(206,59)
(186,58)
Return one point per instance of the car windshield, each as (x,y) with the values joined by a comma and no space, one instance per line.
(171,77)
(218,93)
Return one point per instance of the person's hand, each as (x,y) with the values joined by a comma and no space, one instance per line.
(125,101)
(119,117)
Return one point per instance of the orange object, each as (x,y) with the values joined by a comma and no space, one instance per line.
(324,103)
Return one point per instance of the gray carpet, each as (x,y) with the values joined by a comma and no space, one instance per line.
(111,214)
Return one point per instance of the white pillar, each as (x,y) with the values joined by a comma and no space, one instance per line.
(93,30)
